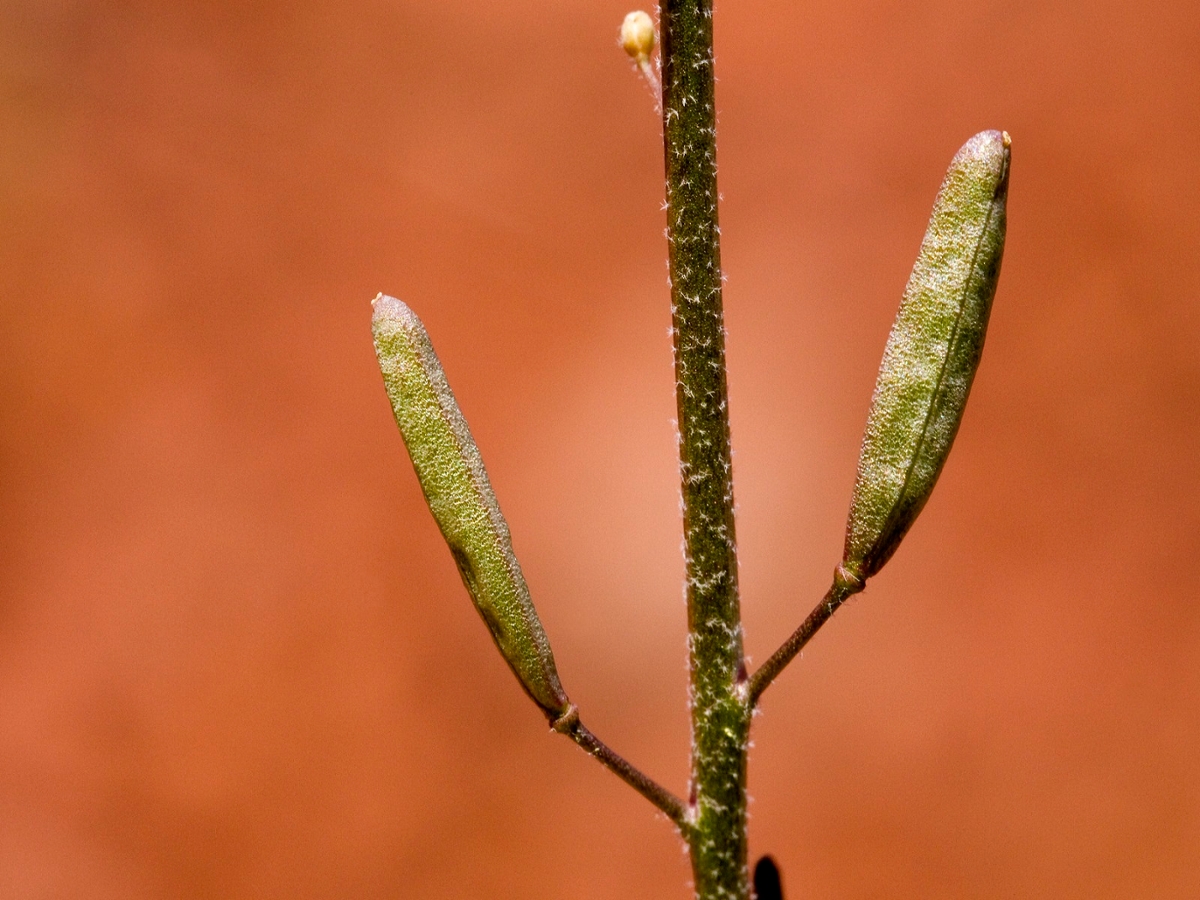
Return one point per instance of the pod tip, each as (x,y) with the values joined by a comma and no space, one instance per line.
(385,307)
(1006,139)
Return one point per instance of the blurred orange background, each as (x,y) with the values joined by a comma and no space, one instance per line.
(236,659)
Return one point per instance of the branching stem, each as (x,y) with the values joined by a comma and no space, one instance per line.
(675,809)
(845,584)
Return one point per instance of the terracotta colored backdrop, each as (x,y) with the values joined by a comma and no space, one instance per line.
(235,658)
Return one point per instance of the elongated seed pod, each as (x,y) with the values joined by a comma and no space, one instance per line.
(932,354)
(460,497)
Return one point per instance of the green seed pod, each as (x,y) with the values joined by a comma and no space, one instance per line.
(932,354)
(460,497)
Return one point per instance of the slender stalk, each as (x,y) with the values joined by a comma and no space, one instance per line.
(676,809)
(845,584)
(719,711)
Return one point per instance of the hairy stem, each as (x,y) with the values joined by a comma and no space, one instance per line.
(719,711)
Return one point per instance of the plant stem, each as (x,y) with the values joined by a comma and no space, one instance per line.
(845,584)
(675,808)
(719,711)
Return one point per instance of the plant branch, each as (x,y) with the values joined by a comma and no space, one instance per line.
(845,584)
(720,716)
(675,809)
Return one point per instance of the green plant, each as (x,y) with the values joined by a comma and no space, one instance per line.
(928,365)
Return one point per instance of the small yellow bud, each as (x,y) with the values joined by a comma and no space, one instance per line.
(638,36)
